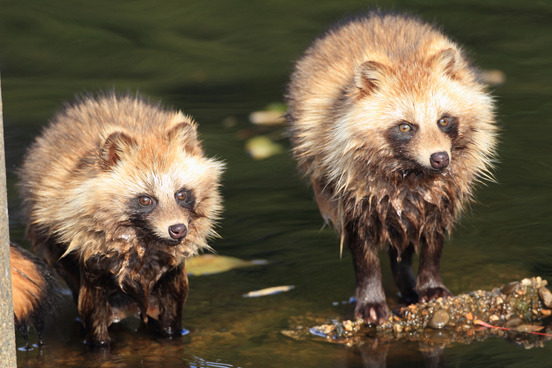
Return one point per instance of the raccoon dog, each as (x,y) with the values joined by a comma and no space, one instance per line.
(117,193)
(392,127)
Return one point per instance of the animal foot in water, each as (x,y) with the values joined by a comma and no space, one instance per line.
(98,342)
(372,313)
(429,294)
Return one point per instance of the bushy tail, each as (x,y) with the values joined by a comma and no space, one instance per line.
(35,291)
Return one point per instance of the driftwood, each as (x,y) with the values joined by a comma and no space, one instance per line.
(518,310)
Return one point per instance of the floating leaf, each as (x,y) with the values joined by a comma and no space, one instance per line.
(262,147)
(272,115)
(267,118)
(208,264)
(493,77)
(268,291)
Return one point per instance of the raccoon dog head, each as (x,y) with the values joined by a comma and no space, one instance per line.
(159,187)
(425,113)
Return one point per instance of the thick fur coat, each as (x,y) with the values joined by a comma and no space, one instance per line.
(392,127)
(117,193)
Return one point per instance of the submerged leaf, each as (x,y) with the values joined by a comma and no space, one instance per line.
(529,328)
(208,264)
(262,147)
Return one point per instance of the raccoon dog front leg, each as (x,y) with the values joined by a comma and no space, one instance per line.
(171,293)
(428,282)
(371,305)
(94,311)
(401,266)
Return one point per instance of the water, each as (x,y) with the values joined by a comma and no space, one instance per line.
(220,60)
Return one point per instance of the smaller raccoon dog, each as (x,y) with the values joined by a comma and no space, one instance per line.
(117,193)
(34,291)
(392,127)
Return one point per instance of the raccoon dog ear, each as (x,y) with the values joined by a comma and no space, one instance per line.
(186,134)
(446,60)
(368,76)
(115,147)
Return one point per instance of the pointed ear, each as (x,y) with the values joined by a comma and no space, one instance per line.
(369,75)
(186,134)
(446,60)
(115,147)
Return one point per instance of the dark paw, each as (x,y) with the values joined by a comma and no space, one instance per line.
(372,313)
(166,330)
(98,343)
(170,331)
(408,298)
(434,293)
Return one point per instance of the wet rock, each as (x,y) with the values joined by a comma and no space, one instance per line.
(339,330)
(439,319)
(458,318)
(509,288)
(348,326)
(546,297)
(527,282)
(514,322)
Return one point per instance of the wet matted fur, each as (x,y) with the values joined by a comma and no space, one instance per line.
(117,193)
(391,125)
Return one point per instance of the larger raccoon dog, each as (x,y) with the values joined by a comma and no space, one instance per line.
(117,193)
(392,127)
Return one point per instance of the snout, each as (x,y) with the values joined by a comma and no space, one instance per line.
(178,231)
(439,160)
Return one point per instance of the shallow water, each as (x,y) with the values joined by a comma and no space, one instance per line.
(220,60)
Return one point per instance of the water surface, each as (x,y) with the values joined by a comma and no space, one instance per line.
(220,60)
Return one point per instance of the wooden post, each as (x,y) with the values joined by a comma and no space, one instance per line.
(7,329)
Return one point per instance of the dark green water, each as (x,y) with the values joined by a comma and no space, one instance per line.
(220,60)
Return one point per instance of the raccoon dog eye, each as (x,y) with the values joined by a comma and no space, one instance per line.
(448,124)
(184,197)
(405,127)
(145,201)
(181,195)
(444,121)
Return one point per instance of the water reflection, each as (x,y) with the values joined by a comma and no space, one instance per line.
(374,355)
(140,353)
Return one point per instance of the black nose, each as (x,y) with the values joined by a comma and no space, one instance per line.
(178,231)
(439,160)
